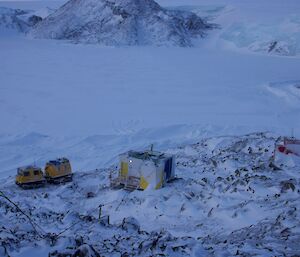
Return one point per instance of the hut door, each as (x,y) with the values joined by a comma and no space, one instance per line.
(124,169)
(168,168)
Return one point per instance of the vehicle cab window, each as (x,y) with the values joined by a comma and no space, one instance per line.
(36,172)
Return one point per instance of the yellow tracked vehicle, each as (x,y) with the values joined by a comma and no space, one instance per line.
(58,171)
(30,177)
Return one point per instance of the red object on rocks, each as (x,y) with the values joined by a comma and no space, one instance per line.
(281,148)
(290,146)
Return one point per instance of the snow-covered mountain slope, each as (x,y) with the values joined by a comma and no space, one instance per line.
(244,26)
(227,200)
(121,22)
(10,19)
(18,20)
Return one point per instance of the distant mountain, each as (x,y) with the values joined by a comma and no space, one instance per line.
(10,19)
(121,23)
(21,20)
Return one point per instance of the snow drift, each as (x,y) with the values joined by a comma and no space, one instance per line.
(121,22)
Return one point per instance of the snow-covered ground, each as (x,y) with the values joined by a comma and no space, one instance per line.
(228,200)
(90,103)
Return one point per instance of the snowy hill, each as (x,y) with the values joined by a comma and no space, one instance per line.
(121,22)
(228,200)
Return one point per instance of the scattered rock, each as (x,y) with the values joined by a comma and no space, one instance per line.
(286,185)
(33,20)
(130,223)
(90,195)
(86,251)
